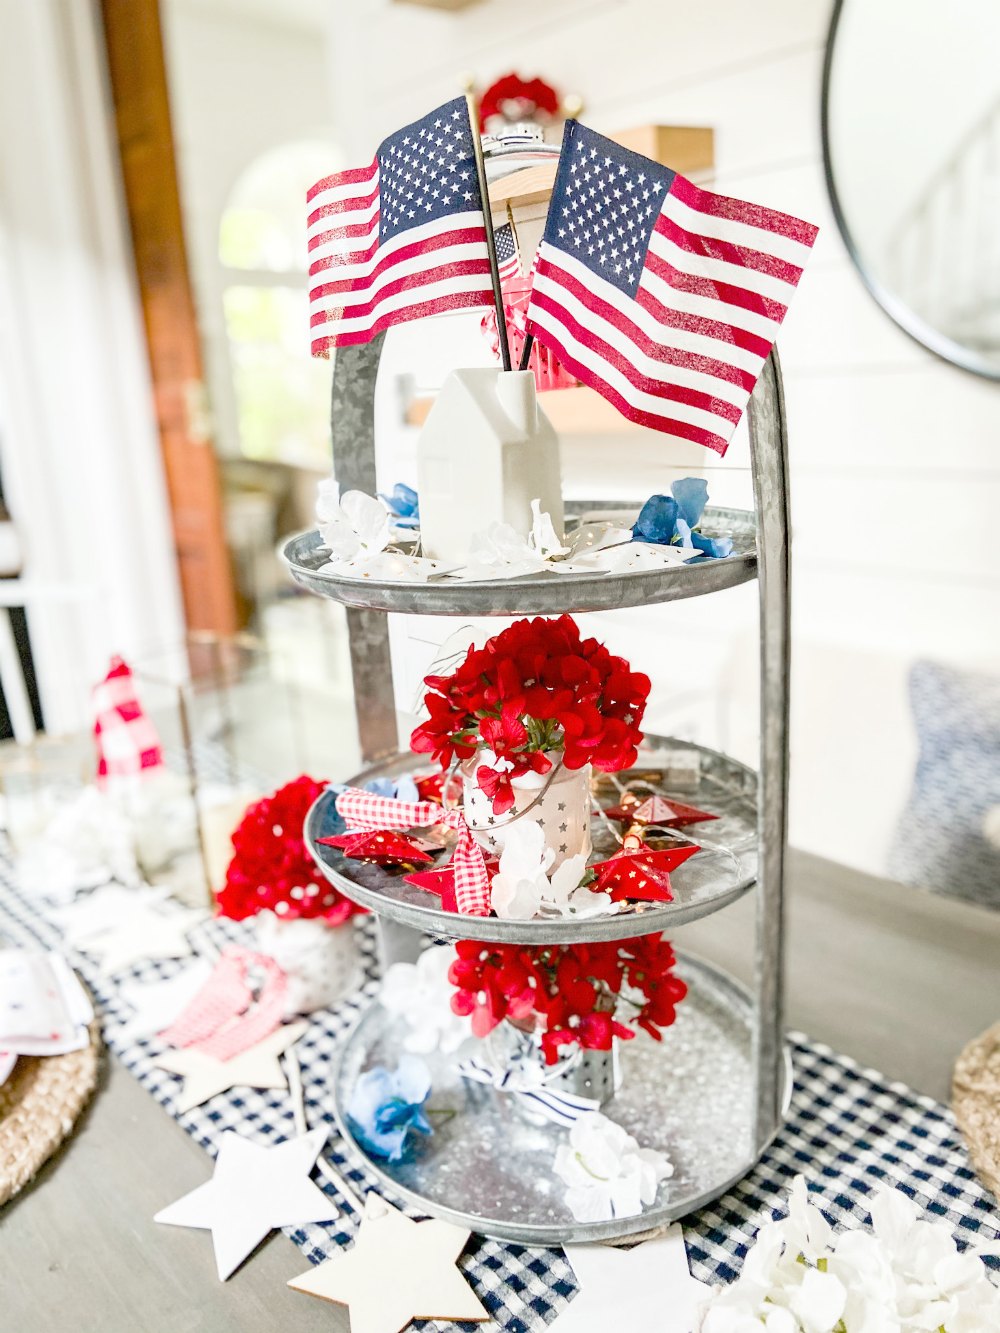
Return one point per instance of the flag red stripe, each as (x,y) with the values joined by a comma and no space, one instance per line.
(406,282)
(457,300)
(659,388)
(717,291)
(339,233)
(671,356)
(738,210)
(466,236)
(337,206)
(352,176)
(640,416)
(728,253)
(700,324)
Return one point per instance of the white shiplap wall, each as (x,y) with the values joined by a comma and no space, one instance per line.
(895,457)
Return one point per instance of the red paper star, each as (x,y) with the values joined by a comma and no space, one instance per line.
(431,787)
(636,871)
(441,881)
(382,846)
(657,810)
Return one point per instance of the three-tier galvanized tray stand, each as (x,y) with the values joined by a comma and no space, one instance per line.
(714,1092)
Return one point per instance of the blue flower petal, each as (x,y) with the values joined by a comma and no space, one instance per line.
(406,789)
(381,786)
(716,547)
(691,494)
(683,535)
(402,502)
(656,521)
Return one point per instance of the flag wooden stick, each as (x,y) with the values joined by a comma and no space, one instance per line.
(491,244)
(529,342)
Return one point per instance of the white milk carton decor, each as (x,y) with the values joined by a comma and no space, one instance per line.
(485,452)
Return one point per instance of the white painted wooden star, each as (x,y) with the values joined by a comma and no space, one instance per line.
(397,1270)
(648,1286)
(253,1190)
(144,934)
(256,1067)
(158,1003)
(92,914)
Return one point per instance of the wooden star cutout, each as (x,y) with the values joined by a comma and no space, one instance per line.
(657,810)
(143,934)
(397,1270)
(256,1067)
(637,871)
(382,846)
(158,1003)
(646,1287)
(253,1190)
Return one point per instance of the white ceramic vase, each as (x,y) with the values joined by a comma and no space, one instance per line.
(321,962)
(559,801)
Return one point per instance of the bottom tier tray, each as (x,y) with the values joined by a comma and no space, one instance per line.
(489,1167)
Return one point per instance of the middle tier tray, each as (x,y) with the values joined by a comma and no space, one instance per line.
(724,869)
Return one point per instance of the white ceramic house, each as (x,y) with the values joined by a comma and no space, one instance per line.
(485,452)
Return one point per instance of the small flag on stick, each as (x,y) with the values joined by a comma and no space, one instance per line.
(663,297)
(402,238)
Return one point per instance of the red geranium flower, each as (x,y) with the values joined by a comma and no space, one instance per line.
(536,687)
(571,993)
(271,867)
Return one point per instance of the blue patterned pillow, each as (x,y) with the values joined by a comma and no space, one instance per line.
(939,842)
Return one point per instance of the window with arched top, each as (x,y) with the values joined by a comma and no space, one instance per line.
(281,393)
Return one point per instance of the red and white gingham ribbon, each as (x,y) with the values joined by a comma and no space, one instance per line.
(224,1019)
(363,810)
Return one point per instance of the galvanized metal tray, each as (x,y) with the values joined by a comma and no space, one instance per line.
(720,873)
(488,1166)
(536,594)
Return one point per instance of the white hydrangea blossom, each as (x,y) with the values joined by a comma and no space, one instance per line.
(907,1275)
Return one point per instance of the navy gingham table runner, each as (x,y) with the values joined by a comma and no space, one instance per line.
(847,1130)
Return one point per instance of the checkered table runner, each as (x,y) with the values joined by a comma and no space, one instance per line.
(848,1129)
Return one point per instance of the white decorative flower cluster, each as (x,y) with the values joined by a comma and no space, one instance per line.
(607,1173)
(906,1276)
(522,885)
(419,994)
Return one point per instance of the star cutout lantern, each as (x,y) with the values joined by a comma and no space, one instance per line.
(397,1270)
(252,1191)
(637,871)
(381,846)
(441,881)
(256,1067)
(657,810)
(646,1287)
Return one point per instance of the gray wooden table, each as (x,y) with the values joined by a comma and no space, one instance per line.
(896,978)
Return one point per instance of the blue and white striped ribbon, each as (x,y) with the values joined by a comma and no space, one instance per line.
(563,1108)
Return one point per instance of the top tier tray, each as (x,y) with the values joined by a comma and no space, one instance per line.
(536,594)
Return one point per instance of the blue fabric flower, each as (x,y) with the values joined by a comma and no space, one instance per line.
(402,505)
(386,1104)
(672,520)
(400,789)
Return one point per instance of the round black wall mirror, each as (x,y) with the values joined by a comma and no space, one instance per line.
(911,148)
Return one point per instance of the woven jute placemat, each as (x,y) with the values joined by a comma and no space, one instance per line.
(975,1099)
(39,1105)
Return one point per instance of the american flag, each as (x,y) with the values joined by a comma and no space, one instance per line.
(663,297)
(508,258)
(402,238)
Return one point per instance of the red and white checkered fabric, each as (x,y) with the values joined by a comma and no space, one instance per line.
(364,810)
(224,1018)
(127,742)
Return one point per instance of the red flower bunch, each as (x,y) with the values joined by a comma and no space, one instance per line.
(271,866)
(572,993)
(536,686)
(514,98)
